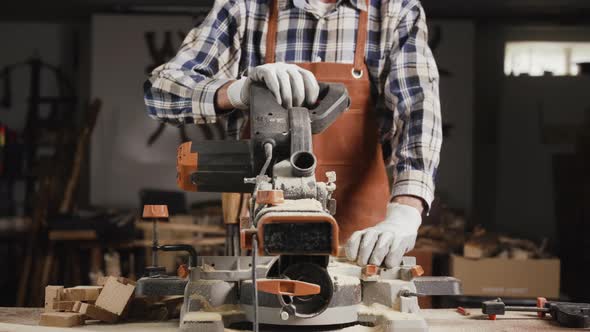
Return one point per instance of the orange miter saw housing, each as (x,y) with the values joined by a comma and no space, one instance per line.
(283,231)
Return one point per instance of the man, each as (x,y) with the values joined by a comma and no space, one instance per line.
(378,49)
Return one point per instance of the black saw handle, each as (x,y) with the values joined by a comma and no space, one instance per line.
(333,100)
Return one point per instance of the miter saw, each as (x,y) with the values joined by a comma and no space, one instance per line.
(292,274)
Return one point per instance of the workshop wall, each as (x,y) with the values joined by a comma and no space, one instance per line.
(49,42)
(515,138)
(530,107)
(453,46)
(122,162)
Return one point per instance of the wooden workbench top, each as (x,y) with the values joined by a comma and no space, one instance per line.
(21,319)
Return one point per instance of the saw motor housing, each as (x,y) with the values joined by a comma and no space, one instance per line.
(291,212)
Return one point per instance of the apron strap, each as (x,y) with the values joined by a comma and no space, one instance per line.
(271,33)
(361,37)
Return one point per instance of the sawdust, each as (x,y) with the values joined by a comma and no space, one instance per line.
(207,307)
(361,328)
(227,309)
(379,310)
(207,268)
(344,280)
(201,317)
(356,328)
(345,269)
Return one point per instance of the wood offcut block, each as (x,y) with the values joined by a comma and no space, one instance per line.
(60,306)
(53,294)
(115,296)
(82,293)
(94,312)
(61,319)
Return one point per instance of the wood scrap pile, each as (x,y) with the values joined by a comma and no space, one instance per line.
(110,302)
(483,244)
(67,307)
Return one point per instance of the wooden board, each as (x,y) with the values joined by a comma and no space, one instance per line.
(93,312)
(61,319)
(115,296)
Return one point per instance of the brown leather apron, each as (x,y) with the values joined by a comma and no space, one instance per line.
(350,147)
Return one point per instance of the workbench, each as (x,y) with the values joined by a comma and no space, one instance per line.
(23,319)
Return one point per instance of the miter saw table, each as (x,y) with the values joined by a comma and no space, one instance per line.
(291,274)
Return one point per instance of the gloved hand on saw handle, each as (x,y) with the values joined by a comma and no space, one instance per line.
(389,240)
(292,85)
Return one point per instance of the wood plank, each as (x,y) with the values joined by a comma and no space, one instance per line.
(115,296)
(213,241)
(165,226)
(61,319)
(82,293)
(93,312)
(73,235)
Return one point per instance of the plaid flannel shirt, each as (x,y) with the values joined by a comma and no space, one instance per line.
(403,73)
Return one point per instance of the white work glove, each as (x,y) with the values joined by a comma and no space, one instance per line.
(389,240)
(291,85)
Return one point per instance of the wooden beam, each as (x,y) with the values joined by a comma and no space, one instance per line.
(165,226)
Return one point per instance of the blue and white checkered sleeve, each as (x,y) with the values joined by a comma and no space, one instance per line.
(412,93)
(183,89)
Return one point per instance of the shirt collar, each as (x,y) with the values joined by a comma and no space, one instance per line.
(358,4)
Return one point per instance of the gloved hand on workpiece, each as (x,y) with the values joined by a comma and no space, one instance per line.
(389,240)
(292,85)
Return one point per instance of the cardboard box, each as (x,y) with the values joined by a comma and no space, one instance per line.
(529,278)
(82,293)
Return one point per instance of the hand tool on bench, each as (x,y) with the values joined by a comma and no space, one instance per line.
(567,314)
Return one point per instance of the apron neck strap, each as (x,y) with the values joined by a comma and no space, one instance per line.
(361,37)
(271,33)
